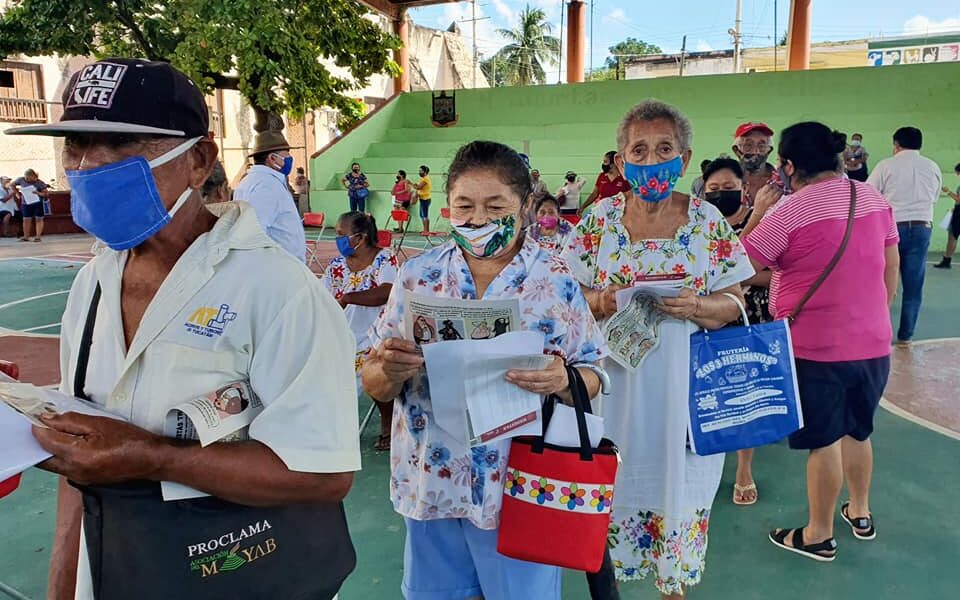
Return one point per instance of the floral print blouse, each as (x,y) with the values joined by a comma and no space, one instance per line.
(600,252)
(434,476)
(557,241)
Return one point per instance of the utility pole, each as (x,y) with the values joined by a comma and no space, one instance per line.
(776,40)
(474,24)
(683,55)
(735,32)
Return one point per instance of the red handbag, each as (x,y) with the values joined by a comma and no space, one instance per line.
(556,500)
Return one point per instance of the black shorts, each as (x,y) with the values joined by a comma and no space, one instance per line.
(838,399)
(858,175)
(955,222)
(4,213)
(33,210)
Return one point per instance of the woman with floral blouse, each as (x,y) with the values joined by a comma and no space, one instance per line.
(654,234)
(448,493)
(360,279)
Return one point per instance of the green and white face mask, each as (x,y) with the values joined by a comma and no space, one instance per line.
(484,241)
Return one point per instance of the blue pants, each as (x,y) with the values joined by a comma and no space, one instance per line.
(450,559)
(914,243)
(357,204)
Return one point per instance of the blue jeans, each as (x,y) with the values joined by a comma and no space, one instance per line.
(914,243)
(357,203)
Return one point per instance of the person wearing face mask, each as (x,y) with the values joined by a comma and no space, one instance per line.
(841,339)
(360,279)
(610,182)
(569,194)
(723,184)
(265,188)
(752,145)
(653,233)
(550,231)
(451,521)
(177,303)
(855,157)
(358,188)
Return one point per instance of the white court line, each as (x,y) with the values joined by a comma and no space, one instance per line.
(29,329)
(896,410)
(4,332)
(21,301)
(63,260)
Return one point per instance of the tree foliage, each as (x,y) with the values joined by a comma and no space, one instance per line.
(492,68)
(630,46)
(529,47)
(269,50)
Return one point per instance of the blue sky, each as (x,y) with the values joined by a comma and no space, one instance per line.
(705,22)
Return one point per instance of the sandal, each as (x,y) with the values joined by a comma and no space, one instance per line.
(862,527)
(740,491)
(824,551)
(383,443)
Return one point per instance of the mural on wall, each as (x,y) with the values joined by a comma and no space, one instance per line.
(914,54)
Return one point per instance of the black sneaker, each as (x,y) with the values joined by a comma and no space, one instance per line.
(943,264)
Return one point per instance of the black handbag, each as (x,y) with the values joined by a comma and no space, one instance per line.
(142,547)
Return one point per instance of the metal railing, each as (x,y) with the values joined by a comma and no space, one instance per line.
(16,110)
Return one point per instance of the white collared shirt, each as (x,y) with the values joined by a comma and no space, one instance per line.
(910,183)
(234,307)
(266,190)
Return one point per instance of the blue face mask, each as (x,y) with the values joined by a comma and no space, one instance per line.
(119,203)
(287,165)
(344,247)
(653,183)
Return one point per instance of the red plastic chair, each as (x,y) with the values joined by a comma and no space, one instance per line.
(402,219)
(312,219)
(384,238)
(435,238)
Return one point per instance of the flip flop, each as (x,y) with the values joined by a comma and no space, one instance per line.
(859,524)
(382,444)
(814,551)
(740,490)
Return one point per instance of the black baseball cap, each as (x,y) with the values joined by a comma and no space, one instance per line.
(128,95)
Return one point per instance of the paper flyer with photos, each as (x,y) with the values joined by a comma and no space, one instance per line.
(223,415)
(428,319)
(634,330)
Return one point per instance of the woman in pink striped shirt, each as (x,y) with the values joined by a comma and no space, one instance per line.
(842,338)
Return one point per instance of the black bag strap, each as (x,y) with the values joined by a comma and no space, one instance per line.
(86,340)
(581,406)
(836,257)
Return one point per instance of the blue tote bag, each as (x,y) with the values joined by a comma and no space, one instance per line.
(743,387)
(743,381)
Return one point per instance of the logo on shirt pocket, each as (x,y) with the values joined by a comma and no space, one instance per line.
(210,322)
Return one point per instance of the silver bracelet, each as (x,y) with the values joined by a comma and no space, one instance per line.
(601,374)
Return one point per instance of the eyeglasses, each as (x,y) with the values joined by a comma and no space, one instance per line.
(750,147)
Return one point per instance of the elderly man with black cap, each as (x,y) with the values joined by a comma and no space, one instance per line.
(178,303)
(265,188)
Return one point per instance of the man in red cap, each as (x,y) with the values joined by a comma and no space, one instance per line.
(753,143)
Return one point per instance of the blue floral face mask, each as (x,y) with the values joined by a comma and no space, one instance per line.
(653,183)
(119,203)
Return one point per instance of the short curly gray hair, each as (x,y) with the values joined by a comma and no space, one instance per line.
(652,109)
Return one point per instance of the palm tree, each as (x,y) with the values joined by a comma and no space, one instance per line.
(529,46)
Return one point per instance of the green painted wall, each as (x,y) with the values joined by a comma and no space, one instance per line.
(570,126)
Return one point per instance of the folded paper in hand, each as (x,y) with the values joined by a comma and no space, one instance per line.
(563,431)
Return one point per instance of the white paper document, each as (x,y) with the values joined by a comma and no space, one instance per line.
(497,409)
(21,405)
(450,365)
(563,430)
(19,450)
(223,415)
(428,319)
(634,330)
